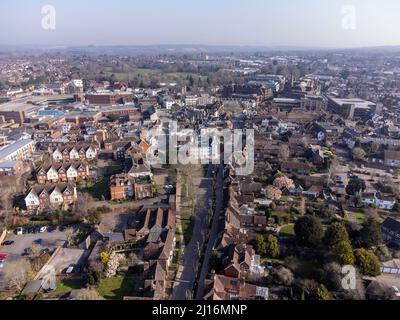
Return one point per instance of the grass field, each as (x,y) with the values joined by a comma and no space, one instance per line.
(115,288)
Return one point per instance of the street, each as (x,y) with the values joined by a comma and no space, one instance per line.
(213,232)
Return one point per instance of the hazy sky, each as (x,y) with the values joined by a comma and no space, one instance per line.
(315,23)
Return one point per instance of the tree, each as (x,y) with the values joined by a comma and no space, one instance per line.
(283,276)
(69,234)
(371,234)
(323,293)
(335,234)
(284,182)
(96,266)
(272,247)
(308,231)
(359,154)
(355,185)
(333,276)
(94,217)
(343,253)
(16,274)
(273,193)
(368,262)
(261,247)
(86,294)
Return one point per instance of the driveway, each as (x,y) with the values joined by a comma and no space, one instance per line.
(185,282)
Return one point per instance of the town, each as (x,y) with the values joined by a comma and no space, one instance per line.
(85,214)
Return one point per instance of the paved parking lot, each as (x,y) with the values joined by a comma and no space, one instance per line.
(22,242)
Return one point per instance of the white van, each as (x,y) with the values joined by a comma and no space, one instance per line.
(20,231)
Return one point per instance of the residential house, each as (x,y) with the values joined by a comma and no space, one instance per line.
(64,172)
(380,200)
(75,153)
(391,230)
(121,187)
(227,288)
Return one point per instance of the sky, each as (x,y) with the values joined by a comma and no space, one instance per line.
(299,23)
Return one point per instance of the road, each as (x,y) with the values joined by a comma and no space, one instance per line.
(184,288)
(213,232)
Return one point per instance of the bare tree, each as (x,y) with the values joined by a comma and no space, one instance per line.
(96,266)
(69,234)
(283,276)
(16,274)
(134,260)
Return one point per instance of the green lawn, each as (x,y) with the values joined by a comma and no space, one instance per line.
(100,189)
(287,231)
(115,288)
(67,285)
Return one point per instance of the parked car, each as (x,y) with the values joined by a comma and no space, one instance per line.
(1,264)
(38,241)
(19,231)
(270,266)
(42,229)
(70,269)
(8,243)
(27,252)
(44,251)
(3,256)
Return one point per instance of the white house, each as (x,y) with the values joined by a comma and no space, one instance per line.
(74,155)
(384,202)
(72,173)
(52,175)
(57,155)
(32,200)
(56,197)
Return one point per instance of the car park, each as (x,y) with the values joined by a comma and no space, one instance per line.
(70,269)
